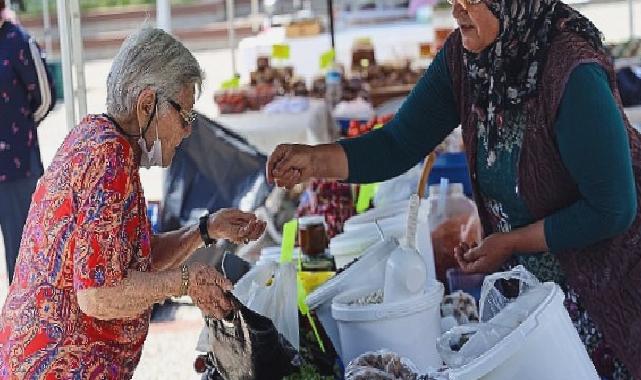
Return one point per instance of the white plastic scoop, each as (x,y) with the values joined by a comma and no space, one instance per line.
(406,273)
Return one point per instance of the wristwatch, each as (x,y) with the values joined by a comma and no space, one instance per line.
(204,231)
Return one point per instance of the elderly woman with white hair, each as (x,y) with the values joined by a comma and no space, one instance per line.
(89,267)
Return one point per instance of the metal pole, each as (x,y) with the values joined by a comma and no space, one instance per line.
(631,15)
(78,58)
(65,57)
(47,27)
(330,7)
(163,15)
(255,9)
(231,31)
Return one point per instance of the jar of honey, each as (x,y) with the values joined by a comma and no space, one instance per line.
(312,236)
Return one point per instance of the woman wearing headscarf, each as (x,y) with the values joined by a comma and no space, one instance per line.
(555,165)
(89,268)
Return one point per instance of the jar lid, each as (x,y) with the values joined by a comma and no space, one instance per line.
(311,220)
(452,189)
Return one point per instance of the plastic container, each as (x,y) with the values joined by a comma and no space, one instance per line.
(347,248)
(452,219)
(272,254)
(469,283)
(350,245)
(369,223)
(452,166)
(333,86)
(379,213)
(409,328)
(368,271)
(544,346)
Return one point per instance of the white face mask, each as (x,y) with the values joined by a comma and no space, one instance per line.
(153,156)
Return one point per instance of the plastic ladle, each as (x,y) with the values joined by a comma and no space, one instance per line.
(406,273)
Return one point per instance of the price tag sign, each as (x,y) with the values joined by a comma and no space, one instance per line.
(365,196)
(231,84)
(290,231)
(280,51)
(327,58)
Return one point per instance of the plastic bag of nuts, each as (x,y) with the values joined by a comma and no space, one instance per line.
(381,365)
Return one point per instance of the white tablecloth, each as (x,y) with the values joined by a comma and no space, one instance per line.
(391,42)
(266,131)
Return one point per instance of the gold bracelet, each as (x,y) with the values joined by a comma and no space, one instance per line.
(184,279)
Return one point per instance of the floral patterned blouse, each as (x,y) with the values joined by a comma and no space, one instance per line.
(86,228)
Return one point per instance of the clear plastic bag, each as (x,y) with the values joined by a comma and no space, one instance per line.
(270,290)
(500,289)
(507,299)
(461,306)
(381,365)
(387,365)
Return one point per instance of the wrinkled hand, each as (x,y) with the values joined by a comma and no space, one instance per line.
(236,226)
(208,288)
(290,165)
(487,257)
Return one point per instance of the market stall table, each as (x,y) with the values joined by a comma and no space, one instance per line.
(391,42)
(266,130)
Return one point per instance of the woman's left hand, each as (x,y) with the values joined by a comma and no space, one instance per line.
(487,257)
(236,226)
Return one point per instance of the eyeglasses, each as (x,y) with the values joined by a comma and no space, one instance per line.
(465,2)
(188,118)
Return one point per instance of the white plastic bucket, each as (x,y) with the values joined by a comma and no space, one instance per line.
(347,250)
(544,346)
(272,254)
(378,213)
(349,246)
(392,226)
(368,271)
(409,328)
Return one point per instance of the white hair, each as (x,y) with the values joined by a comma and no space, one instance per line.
(149,58)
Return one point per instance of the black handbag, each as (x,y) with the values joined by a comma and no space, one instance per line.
(248,346)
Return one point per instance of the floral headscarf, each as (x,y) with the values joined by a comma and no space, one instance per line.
(507,73)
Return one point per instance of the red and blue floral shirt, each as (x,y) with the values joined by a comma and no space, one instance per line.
(87,227)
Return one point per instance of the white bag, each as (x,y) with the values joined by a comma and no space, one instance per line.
(271,291)
(398,188)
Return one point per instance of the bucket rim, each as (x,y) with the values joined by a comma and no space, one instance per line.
(375,312)
(333,287)
(506,347)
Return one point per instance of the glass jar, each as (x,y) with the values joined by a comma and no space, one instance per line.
(312,236)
